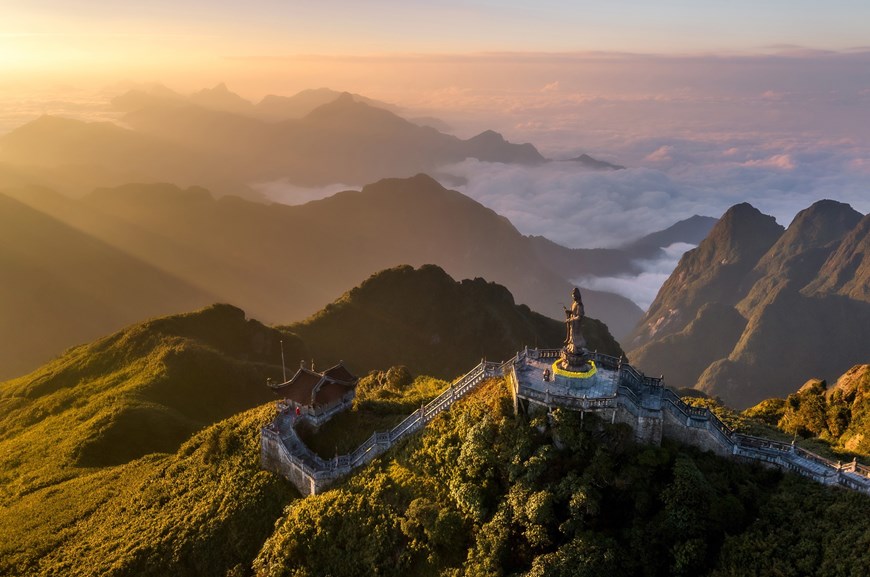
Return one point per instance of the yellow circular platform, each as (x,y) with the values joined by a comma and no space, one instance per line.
(574,375)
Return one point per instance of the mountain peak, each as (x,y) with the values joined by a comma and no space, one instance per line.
(829,218)
(349,114)
(489,136)
(221,98)
(712,272)
(490,146)
(743,233)
(590,162)
(825,222)
(420,184)
(795,258)
(426,320)
(847,270)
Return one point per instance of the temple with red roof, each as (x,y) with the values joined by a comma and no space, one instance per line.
(318,391)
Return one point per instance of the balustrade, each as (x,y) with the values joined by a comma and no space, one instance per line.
(630,391)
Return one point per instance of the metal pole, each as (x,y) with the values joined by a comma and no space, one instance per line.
(283,366)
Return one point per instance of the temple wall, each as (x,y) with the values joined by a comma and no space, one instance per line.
(694,432)
(271,459)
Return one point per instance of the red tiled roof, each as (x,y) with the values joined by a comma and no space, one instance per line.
(331,385)
(300,387)
(340,373)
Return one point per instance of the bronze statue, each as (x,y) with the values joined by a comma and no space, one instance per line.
(574,342)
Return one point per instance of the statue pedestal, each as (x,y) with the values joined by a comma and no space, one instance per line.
(574,361)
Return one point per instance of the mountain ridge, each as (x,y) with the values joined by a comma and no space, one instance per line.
(778,311)
(283,263)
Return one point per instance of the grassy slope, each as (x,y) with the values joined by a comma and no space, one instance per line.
(480,492)
(143,390)
(200,511)
(384,399)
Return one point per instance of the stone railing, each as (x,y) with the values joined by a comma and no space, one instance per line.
(783,455)
(634,386)
(311,473)
(318,415)
(284,452)
(700,417)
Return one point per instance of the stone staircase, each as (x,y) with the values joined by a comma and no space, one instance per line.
(282,451)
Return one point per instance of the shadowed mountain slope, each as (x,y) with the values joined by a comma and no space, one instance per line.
(796,257)
(712,272)
(437,326)
(847,270)
(281,263)
(62,286)
(789,320)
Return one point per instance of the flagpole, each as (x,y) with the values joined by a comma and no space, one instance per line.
(283,366)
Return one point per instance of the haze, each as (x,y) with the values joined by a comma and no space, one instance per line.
(707,104)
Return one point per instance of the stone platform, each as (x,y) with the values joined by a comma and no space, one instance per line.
(602,383)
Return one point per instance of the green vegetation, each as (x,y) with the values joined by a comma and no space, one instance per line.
(98,479)
(838,417)
(383,400)
(831,423)
(478,492)
(481,492)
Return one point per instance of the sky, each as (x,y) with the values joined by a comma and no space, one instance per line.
(102,37)
(707,103)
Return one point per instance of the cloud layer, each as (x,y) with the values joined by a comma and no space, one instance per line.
(641,288)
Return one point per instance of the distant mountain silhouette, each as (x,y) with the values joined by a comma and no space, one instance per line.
(52,140)
(490,146)
(272,107)
(282,263)
(343,140)
(62,286)
(777,316)
(146,97)
(594,163)
(691,231)
(97,152)
(220,98)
